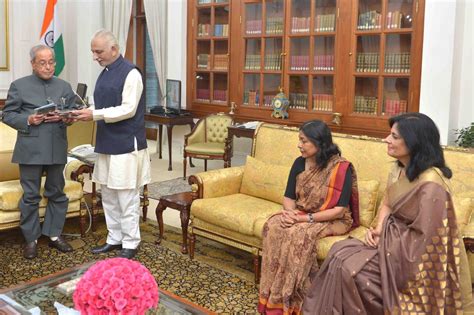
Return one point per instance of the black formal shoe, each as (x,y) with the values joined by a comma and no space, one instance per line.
(105,248)
(29,251)
(128,253)
(61,245)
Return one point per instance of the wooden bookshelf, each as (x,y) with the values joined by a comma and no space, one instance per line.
(357,58)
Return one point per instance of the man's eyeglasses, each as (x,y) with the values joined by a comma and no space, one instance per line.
(43,63)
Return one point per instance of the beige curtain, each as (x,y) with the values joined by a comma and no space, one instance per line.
(117,19)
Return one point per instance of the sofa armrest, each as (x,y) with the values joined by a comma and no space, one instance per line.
(218,183)
(75,170)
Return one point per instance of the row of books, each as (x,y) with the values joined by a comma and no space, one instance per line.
(394,19)
(203,61)
(397,62)
(367,62)
(204,29)
(299,63)
(203,94)
(369,20)
(323,102)
(298,100)
(221,30)
(253,27)
(300,24)
(220,95)
(325,23)
(210,1)
(251,97)
(267,99)
(394,107)
(273,62)
(221,62)
(365,104)
(323,63)
(274,25)
(252,62)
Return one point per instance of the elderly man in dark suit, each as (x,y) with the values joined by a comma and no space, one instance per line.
(41,147)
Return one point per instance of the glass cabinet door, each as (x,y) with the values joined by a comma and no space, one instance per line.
(271,87)
(399,14)
(273,53)
(395,96)
(219,88)
(300,16)
(397,53)
(204,22)
(203,54)
(253,19)
(251,89)
(323,93)
(221,21)
(325,15)
(298,95)
(366,96)
(323,59)
(369,14)
(252,54)
(221,55)
(299,53)
(274,18)
(203,87)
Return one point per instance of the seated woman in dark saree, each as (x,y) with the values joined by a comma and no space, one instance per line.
(410,263)
(321,199)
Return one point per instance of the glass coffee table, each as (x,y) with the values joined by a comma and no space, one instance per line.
(43,292)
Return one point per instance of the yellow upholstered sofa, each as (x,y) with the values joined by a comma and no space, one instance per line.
(233,204)
(11,191)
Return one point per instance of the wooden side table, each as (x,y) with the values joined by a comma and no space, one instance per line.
(182,203)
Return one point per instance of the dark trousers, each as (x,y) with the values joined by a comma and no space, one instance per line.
(30,180)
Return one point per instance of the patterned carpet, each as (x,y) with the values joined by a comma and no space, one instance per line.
(219,278)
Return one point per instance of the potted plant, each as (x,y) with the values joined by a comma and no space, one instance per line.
(465,136)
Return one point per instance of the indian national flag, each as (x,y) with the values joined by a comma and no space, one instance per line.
(51,34)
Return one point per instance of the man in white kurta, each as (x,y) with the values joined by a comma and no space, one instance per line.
(123,163)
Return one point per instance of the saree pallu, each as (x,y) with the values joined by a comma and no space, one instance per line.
(414,270)
(289,254)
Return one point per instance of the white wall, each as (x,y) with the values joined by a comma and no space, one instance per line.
(79,19)
(447,68)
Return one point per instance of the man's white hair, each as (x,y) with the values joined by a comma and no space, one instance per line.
(108,36)
(34,50)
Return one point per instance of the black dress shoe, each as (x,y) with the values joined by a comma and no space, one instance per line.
(61,245)
(105,248)
(29,251)
(128,253)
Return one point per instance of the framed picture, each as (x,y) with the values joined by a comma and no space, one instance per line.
(173,95)
(4,50)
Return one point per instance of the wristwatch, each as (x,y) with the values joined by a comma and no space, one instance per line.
(310,217)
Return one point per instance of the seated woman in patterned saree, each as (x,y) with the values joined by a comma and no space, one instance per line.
(410,263)
(321,199)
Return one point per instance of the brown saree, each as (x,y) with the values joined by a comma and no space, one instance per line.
(414,270)
(289,254)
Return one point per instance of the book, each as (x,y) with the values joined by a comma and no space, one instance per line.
(51,107)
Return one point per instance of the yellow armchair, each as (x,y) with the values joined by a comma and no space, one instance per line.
(207,141)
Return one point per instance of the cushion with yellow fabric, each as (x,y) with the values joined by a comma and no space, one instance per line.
(325,244)
(368,193)
(237,212)
(205,148)
(7,217)
(267,181)
(11,192)
(463,208)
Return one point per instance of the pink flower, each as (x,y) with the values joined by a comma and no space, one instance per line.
(116,286)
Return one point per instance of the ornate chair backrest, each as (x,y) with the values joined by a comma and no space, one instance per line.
(216,127)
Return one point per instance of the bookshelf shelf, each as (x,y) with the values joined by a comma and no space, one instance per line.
(327,55)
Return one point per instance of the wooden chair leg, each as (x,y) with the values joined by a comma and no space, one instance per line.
(184,167)
(159,217)
(192,242)
(205,165)
(144,200)
(256,266)
(191,162)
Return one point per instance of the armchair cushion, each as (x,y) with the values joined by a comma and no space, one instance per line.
(463,208)
(368,193)
(11,192)
(232,212)
(205,148)
(267,181)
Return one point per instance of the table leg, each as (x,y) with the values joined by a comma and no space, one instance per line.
(160,133)
(159,217)
(184,215)
(169,129)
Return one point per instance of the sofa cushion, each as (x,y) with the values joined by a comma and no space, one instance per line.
(11,192)
(9,219)
(463,208)
(368,193)
(237,212)
(206,147)
(263,180)
(325,244)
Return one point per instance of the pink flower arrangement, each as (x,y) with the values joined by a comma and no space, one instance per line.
(116,286)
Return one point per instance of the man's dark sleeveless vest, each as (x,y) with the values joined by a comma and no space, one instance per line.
(118,137)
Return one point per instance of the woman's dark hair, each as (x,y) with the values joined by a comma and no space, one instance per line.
(320,135)
(421,137)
